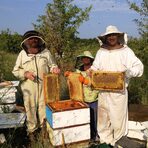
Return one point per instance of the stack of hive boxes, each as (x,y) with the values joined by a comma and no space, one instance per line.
(68,121)
(7,97)
(8,117)
(138,122)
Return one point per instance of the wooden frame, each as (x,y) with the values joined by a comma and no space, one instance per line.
(75,87)
(65,105)
(51,88)
(108,81)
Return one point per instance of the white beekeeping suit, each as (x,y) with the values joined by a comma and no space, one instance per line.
(112,106)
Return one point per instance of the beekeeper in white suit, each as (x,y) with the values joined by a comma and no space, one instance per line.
(32,62)
(115,56)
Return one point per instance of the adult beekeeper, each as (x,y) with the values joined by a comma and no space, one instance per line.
(32,62)
(115,56)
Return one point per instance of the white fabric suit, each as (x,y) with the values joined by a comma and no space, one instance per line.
(112,106)
(33,90)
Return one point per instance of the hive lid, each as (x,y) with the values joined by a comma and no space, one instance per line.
(75,86)
(51,87)
(108,81)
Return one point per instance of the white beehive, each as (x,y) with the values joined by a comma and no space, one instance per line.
(68,119)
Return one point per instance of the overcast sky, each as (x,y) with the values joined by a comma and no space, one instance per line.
(18,16)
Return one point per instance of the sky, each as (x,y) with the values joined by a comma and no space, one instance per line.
(18,16)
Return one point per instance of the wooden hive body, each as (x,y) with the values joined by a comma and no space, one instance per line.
(66,117)
(108,81)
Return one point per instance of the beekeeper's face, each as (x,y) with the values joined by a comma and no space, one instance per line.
(112,39)
(32,42)
(86,60)
(32,45)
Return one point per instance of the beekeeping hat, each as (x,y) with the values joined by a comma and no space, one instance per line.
(30,34)
(110,30)
(79,62)
(86,54)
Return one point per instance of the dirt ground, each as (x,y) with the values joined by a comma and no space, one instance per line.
(138,112)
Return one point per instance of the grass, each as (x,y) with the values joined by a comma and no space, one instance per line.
(7,62)
(17,138)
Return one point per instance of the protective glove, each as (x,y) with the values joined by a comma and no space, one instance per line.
(84,80)
(81,79)
(67,73)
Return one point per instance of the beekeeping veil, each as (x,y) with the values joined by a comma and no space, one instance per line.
(110,30)
(31,34)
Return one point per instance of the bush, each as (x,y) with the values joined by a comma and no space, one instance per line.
(7,62)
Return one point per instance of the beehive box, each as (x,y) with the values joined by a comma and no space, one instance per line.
(8,118)
(138,121)
(108,81)
(66,119)
(7,96)
(68,135)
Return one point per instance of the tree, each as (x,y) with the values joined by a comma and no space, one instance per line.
(142,9)
(138,87)
(10,42)
(60,23)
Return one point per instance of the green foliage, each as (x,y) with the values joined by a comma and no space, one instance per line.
(91,45)
(7,62)
(59,25)
(138,86)
(143,21)
(10,42)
